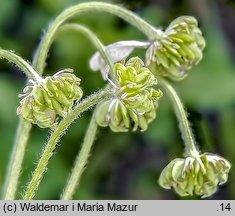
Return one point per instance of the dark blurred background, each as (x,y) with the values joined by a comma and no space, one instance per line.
(122,165)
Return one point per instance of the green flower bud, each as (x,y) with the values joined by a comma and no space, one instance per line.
(200,176)
(178,49)
(135,100)
(54,96)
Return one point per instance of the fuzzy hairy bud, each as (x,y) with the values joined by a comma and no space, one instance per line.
(178,49)
(135,100)
(200,176)
(44,102)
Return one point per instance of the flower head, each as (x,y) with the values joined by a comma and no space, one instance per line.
(200,176)
(117,51)
(135,100)
(178,48)
(45,100)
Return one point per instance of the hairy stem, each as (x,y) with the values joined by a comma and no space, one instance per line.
(184,125)
(82,157)
(42,51)
(93,39)
(21,63)
(22,135)
(11,184)
(55,137)
(81,160)
(17,156)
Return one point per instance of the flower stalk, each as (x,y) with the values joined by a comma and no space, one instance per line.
(22,134)
(184,125)
(55,137)
(130,17)
(196,173)
(81,160)
(16,160)
(93,39)
(21,63)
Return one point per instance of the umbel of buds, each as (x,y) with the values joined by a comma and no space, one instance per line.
(52,97)
(177,49)
(200,176)
(135,100)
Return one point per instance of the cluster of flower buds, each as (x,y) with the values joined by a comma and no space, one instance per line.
(200,176)
(45,100)
(135,100)
(177,49)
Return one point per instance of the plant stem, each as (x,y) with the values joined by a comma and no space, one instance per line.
(82,157)
(81,160)
(22,135)
(55,137)
(184,125)
(93,39)
(21,63)
(42,51)
(17,157)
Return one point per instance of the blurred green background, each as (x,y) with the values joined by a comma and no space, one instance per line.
(122,165)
